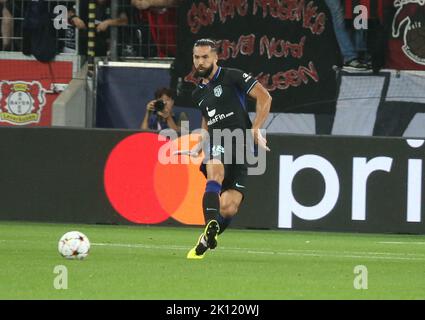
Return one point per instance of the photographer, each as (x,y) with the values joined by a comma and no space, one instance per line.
(159,112)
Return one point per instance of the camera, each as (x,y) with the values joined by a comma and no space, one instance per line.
(159,105)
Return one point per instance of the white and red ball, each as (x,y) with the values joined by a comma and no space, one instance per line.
(74,245)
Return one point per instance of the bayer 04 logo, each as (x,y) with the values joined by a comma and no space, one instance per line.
(21,102)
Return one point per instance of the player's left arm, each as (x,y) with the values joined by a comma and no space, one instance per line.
(263,104)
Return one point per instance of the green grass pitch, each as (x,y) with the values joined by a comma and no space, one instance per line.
(141,262)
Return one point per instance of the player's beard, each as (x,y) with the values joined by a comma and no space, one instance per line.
(204,73)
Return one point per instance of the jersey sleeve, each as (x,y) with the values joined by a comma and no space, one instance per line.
(195,98)
(243,80)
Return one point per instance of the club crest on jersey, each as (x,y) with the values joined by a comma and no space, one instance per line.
(21,102)
(217,150)
(218,91)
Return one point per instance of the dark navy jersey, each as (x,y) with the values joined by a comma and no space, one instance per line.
(223,100)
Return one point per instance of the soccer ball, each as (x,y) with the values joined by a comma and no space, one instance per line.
(74,245)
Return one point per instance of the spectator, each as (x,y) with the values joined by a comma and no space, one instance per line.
(351,61)
(159,112)
(146,4)
(6,27)
(19,8)
(103,22)
(74,23)
(157,20)
(375,39)
(39,36)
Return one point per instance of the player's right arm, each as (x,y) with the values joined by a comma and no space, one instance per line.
(197,149)
(204,124)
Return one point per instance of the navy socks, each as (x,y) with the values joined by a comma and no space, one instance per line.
(211,201)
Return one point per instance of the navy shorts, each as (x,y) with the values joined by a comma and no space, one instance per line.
(235,166)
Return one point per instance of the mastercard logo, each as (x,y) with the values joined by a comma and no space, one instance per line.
(145,191)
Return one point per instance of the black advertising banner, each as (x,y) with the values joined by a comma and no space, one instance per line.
(289,46)
(340,183)
(320,183)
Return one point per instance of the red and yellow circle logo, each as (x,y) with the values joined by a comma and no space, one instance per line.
(145,191)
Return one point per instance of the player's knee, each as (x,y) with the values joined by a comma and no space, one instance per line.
(216,176)
(229,210)
(215,171)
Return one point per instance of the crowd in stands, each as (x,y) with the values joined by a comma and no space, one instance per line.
(147,28)
(361,49)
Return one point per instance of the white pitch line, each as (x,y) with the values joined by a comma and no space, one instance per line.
(400,242)
(325,252)
(362,252)
(139,245)
(345,255)
(289,252)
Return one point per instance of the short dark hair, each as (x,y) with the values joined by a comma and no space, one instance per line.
(161,91)
(206,43)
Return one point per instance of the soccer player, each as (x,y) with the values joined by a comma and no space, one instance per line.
(220,95)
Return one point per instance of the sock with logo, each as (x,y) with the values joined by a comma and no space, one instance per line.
(211,201)
(223,223)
